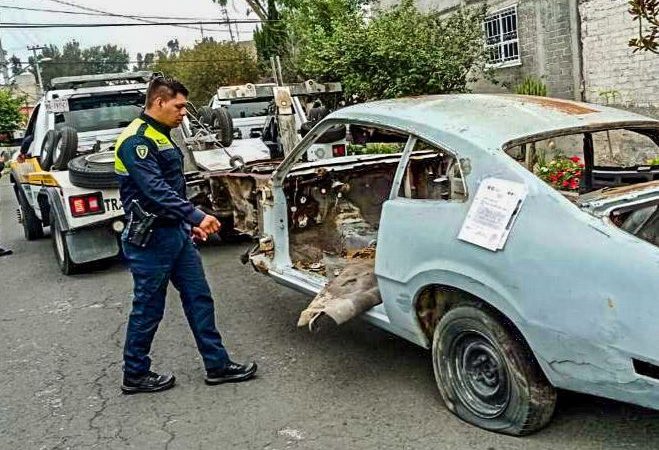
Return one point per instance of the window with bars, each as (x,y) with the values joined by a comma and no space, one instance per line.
(501,37)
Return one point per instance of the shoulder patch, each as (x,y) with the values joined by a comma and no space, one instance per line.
(142,151)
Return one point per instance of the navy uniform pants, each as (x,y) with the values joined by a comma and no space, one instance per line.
(169,256)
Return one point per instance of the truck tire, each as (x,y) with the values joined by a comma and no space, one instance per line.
(94,171)
(223,123)
(62,256)
(47,149)
(206,115)
(65,147)
(32,226)
(487,375)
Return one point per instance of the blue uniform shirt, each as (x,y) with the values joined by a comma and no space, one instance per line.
(150,170)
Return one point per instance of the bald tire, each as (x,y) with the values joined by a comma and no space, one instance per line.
(487,376)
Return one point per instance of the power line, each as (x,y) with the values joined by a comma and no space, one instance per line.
(107,13)
(102,25)
(99,14)
(188,61)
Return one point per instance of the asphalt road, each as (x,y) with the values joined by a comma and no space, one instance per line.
(353,387)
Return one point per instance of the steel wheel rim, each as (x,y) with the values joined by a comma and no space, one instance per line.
(479,375)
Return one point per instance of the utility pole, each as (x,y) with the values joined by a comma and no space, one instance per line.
(3,63)
(34,49)
(226,17)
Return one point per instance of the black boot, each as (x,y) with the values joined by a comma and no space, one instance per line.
(4,252)
(232,373)
(149,382)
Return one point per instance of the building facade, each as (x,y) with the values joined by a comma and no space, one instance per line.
(612,73)
(578,48)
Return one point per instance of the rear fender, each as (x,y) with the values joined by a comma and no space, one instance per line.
(56,208)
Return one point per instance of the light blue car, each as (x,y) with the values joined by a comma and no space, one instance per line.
(515,237)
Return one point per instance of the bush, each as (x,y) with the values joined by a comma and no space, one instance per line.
(532,86)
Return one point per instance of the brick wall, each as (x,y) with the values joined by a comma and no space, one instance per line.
(609,66)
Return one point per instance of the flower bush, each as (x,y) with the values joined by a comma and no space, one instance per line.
(562,173)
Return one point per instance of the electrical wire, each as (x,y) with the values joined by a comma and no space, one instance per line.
(111,14)
(27,25)
(184,61)
(99,14)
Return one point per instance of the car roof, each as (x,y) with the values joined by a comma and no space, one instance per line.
(488,120)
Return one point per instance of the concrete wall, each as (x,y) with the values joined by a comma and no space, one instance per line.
(631,80)
(548,38)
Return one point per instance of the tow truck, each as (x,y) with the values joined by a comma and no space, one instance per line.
(67,181)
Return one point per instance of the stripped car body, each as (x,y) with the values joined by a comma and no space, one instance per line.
(577,288)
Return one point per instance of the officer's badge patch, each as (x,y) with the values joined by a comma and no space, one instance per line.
(142,151)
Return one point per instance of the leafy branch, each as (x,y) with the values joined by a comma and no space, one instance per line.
(646,12)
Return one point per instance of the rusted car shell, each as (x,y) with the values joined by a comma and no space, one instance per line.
(582,292)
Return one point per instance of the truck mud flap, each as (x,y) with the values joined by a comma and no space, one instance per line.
(353,291)
(92,244)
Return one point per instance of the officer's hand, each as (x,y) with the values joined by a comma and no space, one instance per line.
(20,158)
(210,225)
(199,234)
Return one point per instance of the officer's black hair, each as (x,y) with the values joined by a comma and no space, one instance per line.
(164,87)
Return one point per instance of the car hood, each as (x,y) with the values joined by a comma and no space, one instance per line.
(600,203)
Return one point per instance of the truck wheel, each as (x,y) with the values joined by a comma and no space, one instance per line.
(94,171)
(223,122)
(32,226)
(65,147)
(487,377)
(206,115)
(47,149)
(62,256)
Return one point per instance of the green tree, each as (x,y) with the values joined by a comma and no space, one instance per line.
(74,60)
(271,39)
(646,12)
(105,59)
(10,111)
(399,51)
(208,65)
(144,62)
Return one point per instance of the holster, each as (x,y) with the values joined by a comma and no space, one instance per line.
(140,225)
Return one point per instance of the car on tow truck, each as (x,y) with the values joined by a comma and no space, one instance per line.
(473,239)
(67,182)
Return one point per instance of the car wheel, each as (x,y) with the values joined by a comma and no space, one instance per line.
(32,226)
(66,265)
(487,377)
(65,148)
(47,149)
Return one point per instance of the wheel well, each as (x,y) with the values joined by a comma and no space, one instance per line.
(436,300)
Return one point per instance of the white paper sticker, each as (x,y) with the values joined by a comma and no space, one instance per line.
(492,213)
(57,105)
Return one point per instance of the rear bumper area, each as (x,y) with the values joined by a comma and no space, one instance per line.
(92,243)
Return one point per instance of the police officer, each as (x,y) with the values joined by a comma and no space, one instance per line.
(150,170)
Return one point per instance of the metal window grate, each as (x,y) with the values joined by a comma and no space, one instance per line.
(501,37)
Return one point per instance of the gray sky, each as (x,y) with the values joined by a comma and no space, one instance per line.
(134,39)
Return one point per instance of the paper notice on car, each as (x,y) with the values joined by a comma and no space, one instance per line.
(492,214)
